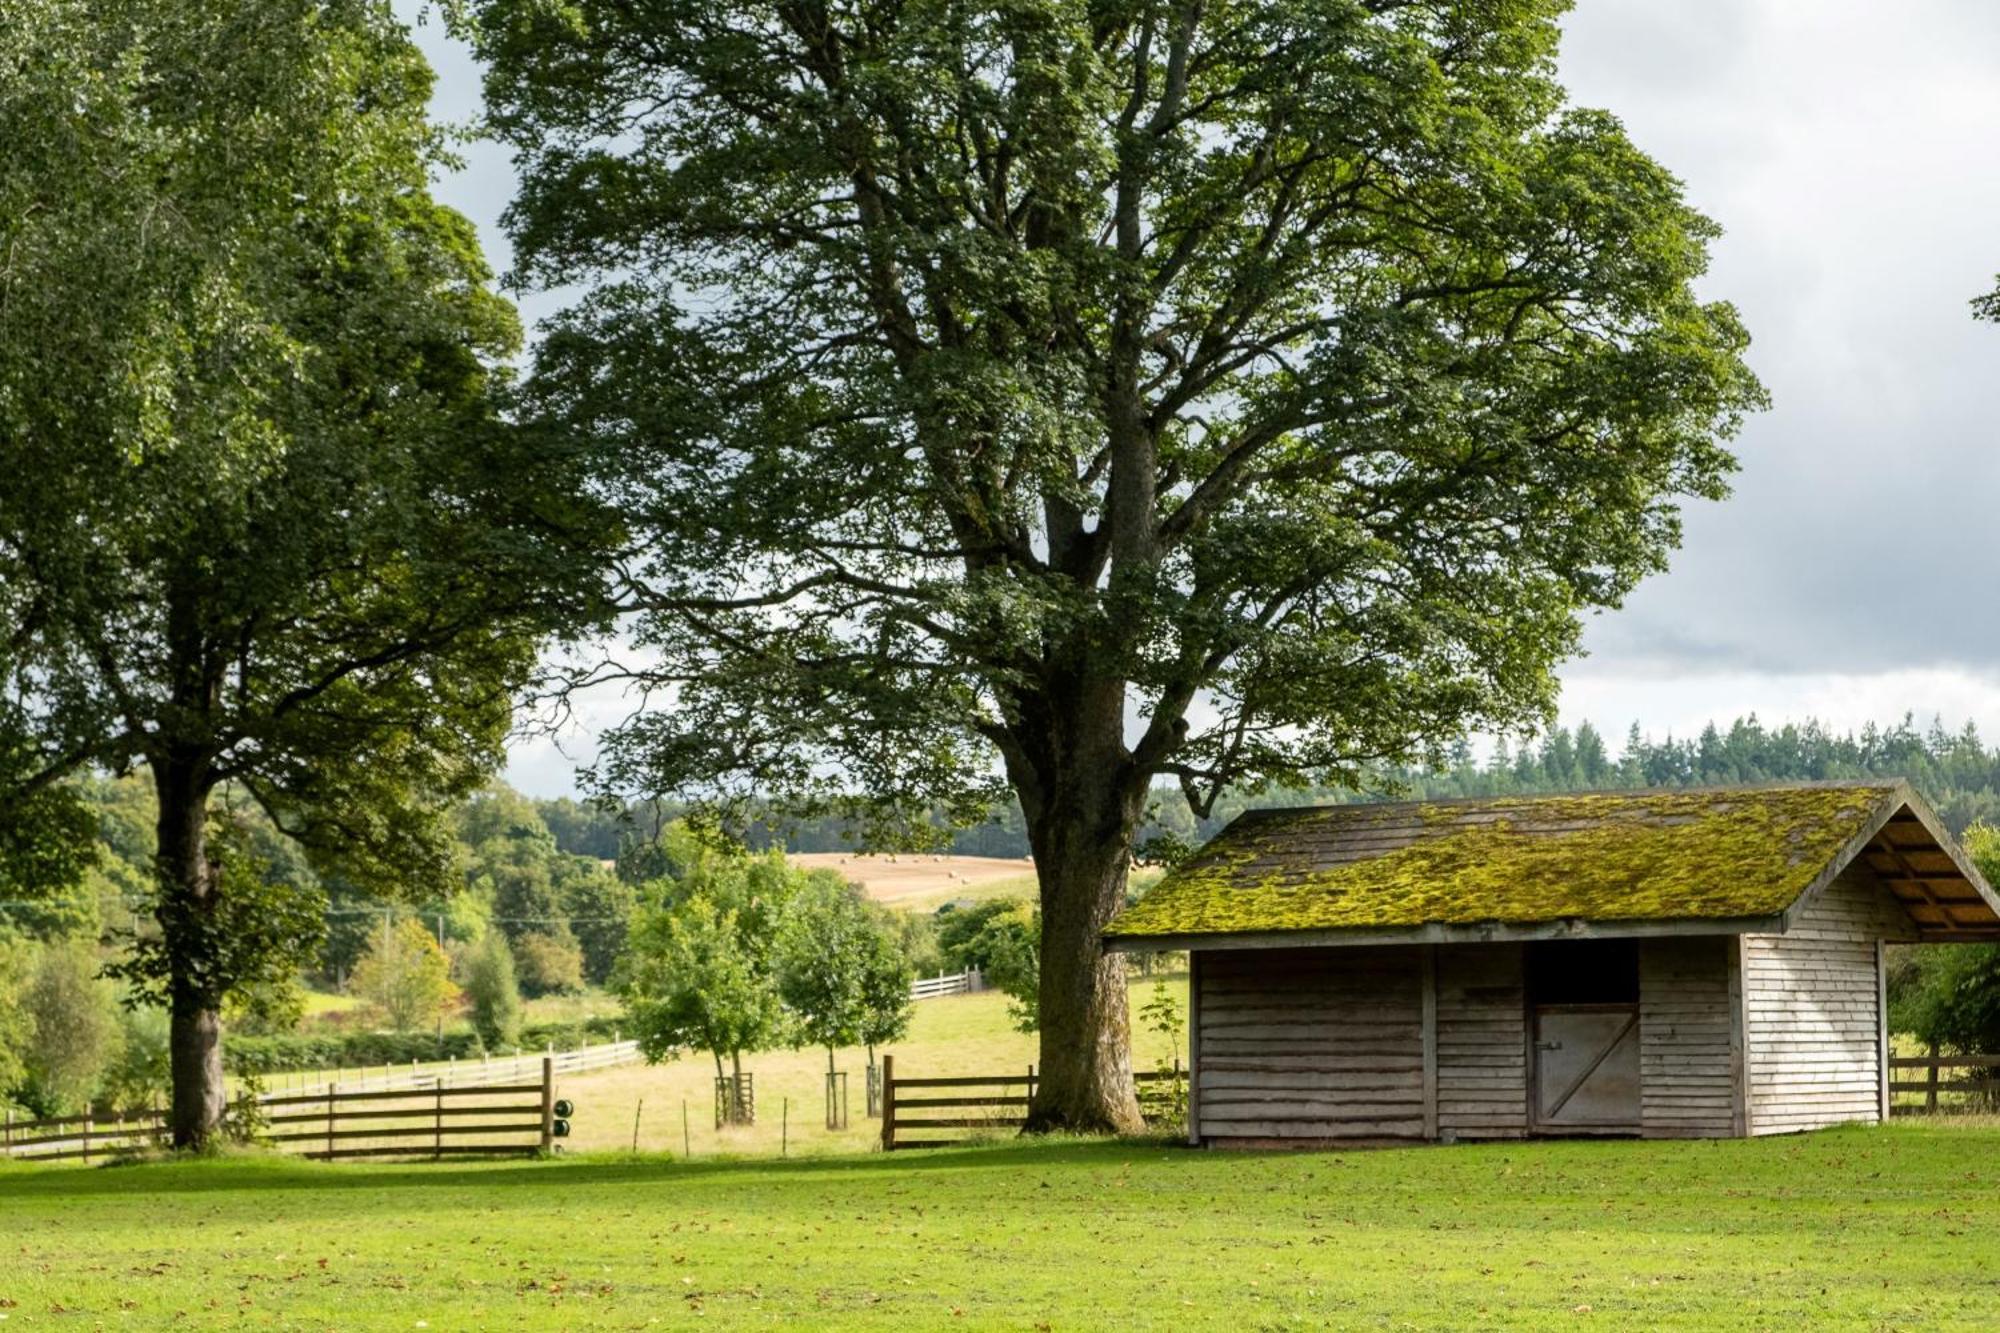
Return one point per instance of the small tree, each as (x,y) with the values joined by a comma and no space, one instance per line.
(75,1035)
(886,974)
(490,985)
(827,948)
(405,975)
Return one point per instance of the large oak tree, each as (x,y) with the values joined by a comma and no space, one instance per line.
(260,522)
(1089,393)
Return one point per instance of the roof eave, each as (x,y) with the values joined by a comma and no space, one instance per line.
(1438,932)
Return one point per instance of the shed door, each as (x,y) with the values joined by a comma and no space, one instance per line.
(1587,1069)
(1583,1020)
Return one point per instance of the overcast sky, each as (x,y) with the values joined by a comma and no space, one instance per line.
(1851,151)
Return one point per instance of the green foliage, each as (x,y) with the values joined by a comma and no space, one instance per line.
(75,1030)
(535,888)
(493,992)
(406,976)
(986,385)
(264,523)
(699,972)
(141,1075)
(839,972)
(1267,281)
(47,833)
(274,1005)
(599,907)
(282,1054)
(247,1121)
(1011,944)
(17,1027)
(1948,995)
(252,936)
(962,936)
(550,962)
(1162,1013)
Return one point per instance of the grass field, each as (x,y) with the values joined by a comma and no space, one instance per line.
(1856,1228)
(925,883)
(963,1034)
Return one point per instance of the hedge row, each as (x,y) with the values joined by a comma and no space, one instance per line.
(284,1054)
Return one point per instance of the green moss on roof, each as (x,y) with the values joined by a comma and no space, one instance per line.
(1638,856)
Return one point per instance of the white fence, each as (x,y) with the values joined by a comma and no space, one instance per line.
(952,983)
(471,1072)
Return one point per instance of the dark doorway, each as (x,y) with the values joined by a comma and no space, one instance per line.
(1583,1024)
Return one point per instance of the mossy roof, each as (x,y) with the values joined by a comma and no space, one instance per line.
(1645,856)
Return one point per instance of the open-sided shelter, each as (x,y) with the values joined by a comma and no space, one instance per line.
(1664,963)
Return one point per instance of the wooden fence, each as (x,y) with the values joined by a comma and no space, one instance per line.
(80,1137)
(495,1120)
(982,1103)
(473,1071)
(951,983)
(1975,1088)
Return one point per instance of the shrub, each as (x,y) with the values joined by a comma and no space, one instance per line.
(550,964)
(275,1055)
(495,997)
(142,1072)
(75,1035)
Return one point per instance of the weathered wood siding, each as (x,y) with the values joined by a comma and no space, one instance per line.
(1311,1044)
(1812,1009)
(1482,1042)
(1688,1061)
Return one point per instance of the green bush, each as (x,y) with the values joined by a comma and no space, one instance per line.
(285,1054)
(277,1055)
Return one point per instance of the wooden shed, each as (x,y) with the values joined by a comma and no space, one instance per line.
(1660,964)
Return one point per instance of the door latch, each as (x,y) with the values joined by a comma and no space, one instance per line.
(1548,1045)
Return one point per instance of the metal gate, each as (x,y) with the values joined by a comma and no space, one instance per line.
(1586,1062)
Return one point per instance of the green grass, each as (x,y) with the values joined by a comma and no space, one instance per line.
(1855,1228)
(961,1034)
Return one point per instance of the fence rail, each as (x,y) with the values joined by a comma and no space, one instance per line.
(485,1120)
(991,1103)
(1976,1088)
(950,983)
(479,1071)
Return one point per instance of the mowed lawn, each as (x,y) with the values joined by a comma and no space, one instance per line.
(1894,1228)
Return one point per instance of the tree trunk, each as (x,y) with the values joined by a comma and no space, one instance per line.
(186,895)
(1081,827)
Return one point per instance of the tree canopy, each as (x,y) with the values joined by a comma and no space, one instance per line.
(1095,393)
(264,524)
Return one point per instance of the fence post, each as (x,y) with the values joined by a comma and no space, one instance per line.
(86,1138)
(888,1103)
(437,1122)
(548,1103)
(1931,1078)
(331,1112)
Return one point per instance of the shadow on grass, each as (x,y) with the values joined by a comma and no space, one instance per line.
(251,1171)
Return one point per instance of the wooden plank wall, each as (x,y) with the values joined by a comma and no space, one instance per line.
(1687,1064)
(1812,1009)
(1482,1042)
(1311,1044)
